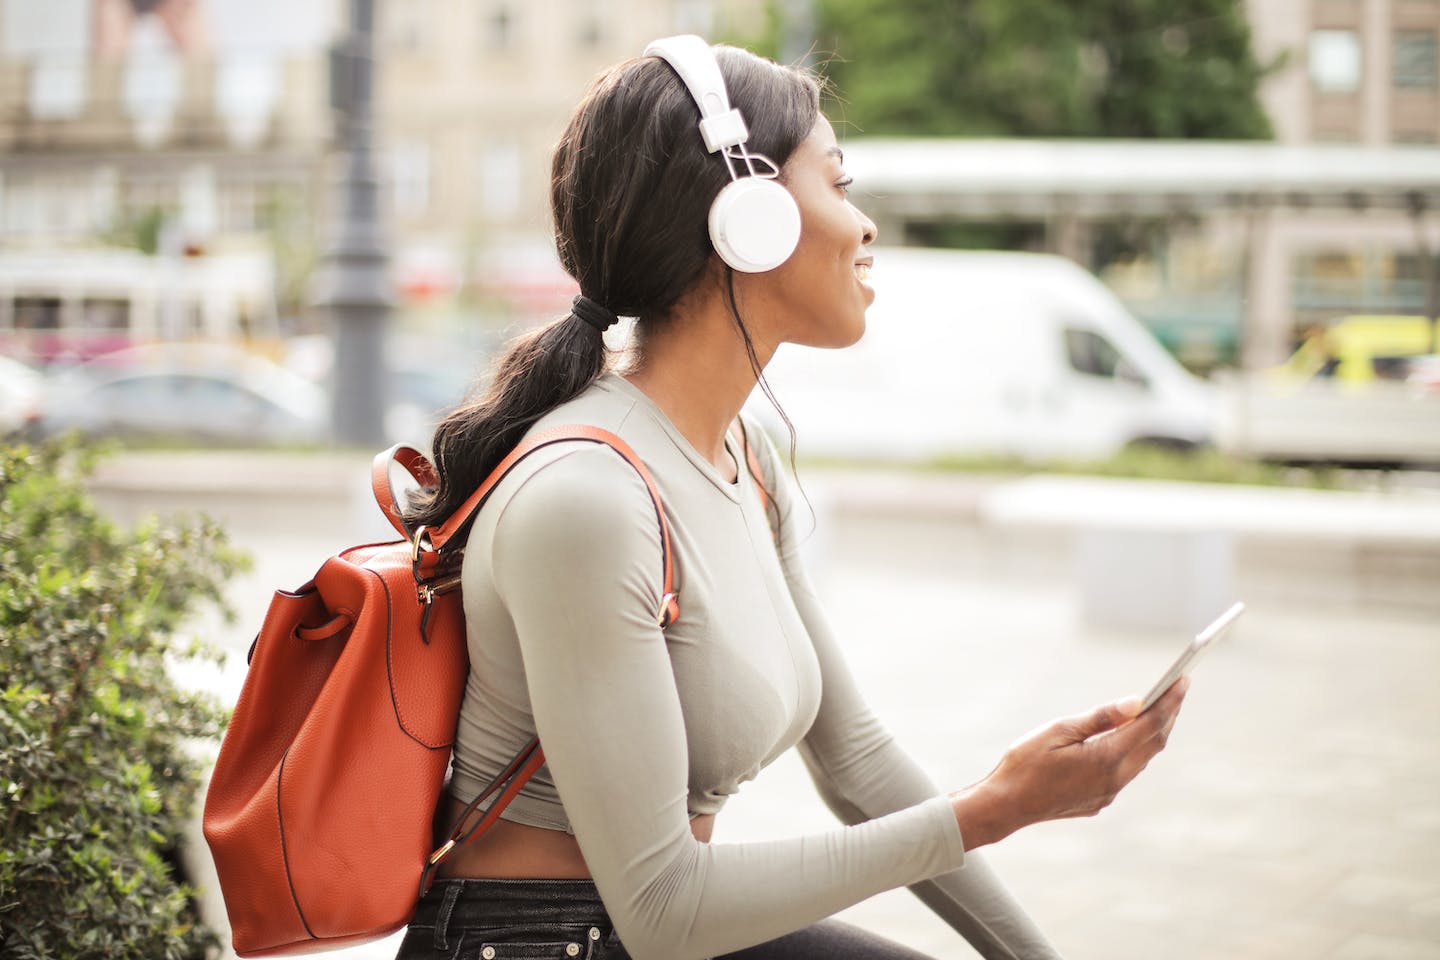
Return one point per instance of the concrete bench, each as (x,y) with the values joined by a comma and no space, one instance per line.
(1152,555)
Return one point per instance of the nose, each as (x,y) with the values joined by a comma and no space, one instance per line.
(867,225)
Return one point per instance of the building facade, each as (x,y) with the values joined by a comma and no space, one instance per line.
(1358,72)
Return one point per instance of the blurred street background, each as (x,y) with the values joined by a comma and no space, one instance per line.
(1156,329)
(1296,810)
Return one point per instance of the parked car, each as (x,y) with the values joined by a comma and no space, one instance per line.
(22,393)
(975,353)
(189,392)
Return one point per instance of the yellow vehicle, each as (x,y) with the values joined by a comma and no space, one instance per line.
(1361,349)
(1355,391)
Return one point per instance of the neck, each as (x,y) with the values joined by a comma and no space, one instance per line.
(696,369)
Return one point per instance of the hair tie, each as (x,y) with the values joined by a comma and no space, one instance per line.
(593,313)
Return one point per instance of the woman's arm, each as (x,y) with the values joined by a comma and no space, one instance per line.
(862,773)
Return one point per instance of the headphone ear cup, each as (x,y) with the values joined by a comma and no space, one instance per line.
(754,224)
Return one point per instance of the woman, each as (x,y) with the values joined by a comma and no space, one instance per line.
(605,853)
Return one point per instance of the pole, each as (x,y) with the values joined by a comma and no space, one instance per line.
(1428,271)
(352,285)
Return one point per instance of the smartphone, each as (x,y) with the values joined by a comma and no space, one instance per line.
(1191,653)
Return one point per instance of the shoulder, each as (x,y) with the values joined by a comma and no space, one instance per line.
(574,491)
(579,525)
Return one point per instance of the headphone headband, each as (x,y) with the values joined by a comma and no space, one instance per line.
(721,125)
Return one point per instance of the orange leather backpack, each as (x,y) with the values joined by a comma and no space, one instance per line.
(320,809)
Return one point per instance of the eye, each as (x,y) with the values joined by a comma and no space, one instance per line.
(844,185)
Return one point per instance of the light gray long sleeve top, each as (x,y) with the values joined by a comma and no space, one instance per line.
(644,729)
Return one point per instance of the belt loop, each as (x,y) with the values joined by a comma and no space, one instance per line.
(442,921)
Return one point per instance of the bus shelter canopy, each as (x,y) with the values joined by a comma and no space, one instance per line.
(1004,178)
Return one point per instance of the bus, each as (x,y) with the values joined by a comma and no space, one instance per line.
(68,307)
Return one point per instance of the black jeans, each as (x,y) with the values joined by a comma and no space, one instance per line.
(565,920)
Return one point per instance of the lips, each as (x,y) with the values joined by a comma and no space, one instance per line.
(862,270)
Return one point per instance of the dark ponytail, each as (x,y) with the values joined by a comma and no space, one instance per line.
(630,191)
(539,371)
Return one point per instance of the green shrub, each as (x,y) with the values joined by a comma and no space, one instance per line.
(97,774)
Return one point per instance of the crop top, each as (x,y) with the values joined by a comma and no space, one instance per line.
(644,728)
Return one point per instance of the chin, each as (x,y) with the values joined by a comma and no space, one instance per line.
(855,334)
(847,336)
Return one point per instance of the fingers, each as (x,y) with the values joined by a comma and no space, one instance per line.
(1105,717)
(1150,733)
(1077,765)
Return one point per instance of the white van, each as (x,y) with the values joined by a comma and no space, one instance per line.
(977,353)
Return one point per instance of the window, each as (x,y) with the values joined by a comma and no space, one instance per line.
(500,180)
(590,16)
(410,178)
(1414,60)
(1090,353)
(1335,61)
(248,87)
(695,16)
(37,313)
(499,28)
(240,208)
(58,88)
(142,400)
(407,26)
(105,314)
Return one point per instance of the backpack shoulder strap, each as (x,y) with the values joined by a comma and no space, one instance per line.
(429,543)
(757,472)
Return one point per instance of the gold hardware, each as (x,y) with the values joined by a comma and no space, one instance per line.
(665,602)
(415,547)
(442,853)
(431,589)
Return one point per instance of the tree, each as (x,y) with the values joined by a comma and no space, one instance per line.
(1044,68)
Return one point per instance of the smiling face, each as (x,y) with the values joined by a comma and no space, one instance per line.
(817,297)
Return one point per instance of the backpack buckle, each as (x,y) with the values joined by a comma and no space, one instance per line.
(422,532)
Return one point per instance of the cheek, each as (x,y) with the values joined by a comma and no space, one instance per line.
(824,242)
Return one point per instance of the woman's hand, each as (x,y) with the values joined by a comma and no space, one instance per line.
(1074,767)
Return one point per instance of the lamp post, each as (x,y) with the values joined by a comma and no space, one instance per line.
(352,284)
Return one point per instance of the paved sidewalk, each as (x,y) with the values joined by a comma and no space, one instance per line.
(1296,812)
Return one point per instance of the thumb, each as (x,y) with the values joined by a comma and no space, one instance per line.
(1102,718)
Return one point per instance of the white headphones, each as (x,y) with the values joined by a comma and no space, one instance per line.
(754,222)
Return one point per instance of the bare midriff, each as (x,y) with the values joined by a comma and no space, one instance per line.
(519,851)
